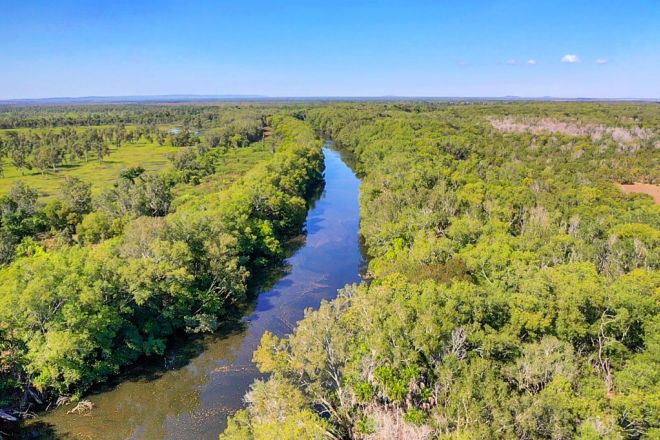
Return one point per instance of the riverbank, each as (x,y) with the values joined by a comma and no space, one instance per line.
(192,399)
(77,315)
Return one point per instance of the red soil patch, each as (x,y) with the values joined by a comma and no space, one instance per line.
(644,188)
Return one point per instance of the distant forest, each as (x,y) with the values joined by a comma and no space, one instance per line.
(512,290)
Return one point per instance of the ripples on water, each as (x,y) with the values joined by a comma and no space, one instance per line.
(193,392)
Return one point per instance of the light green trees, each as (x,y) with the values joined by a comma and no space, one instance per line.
(136,273)
(276,409)
(513,290)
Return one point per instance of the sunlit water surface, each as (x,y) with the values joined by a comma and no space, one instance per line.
(193,400)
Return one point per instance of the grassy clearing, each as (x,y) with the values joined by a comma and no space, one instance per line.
(150,156)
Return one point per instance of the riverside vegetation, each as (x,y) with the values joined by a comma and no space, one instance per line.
(512,289)
(92,284)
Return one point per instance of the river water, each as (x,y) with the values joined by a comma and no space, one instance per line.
(193,400)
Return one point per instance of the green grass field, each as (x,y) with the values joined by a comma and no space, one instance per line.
(100,174)
(150,156)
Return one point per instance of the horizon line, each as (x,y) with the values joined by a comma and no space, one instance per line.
(260,97)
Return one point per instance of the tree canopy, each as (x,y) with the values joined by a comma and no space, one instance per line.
(512,288)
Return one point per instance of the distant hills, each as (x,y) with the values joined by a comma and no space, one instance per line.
(164,99)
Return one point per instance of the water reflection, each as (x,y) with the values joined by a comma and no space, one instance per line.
(193,400)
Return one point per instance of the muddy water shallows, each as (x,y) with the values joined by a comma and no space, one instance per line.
(193,400)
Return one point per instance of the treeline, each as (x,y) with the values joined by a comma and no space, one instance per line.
(48,149)
(72,315)
(25,220)
(193,116)
(236,133)
(72,216)
(513,293)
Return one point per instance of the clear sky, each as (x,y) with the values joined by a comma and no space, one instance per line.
(606,49)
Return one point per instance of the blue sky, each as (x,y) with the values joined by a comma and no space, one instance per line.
(330,48)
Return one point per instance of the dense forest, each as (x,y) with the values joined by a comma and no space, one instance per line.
(92,284)
(512,289)
(193,115)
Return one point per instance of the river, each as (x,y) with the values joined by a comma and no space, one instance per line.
(192,399)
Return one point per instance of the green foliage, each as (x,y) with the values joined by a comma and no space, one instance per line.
(415,416)
(137,272)
(513,289)
(281,413)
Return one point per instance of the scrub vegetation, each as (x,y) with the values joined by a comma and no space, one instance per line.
(512,289)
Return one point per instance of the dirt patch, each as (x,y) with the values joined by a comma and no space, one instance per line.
(644,188)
